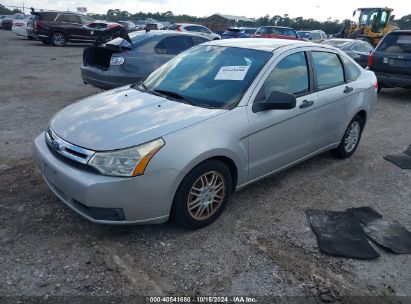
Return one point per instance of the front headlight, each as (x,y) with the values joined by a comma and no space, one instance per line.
(126,162)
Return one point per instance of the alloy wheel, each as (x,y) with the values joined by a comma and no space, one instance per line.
(59,39)
(206,195)
(352,136)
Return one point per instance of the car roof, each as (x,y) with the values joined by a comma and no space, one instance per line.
(343,39)
(261,44)
(166,33)
(400,32)
(312,31)
(276,26)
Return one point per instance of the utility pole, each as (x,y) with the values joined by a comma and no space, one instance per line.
(23,7)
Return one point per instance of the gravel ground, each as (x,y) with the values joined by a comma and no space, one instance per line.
(261,245)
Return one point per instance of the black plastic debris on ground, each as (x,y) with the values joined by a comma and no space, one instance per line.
(401,160)
(365,214)
(340,234)
(388,234)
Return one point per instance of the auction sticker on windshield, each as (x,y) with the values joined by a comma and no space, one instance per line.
(232,72)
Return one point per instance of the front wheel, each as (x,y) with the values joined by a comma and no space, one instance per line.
(351,139)
(202,195)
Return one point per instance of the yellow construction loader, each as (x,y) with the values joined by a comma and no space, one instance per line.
(373,24)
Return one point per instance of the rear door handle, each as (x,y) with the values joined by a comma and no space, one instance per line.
(306,104)
(348,89)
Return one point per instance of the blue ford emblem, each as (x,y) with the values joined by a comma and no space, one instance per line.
(56,145)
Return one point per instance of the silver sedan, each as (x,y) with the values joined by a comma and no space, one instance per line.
(213,120)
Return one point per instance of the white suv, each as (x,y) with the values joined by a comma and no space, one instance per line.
(194,28)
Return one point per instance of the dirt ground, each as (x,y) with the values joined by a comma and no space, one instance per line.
(262,245)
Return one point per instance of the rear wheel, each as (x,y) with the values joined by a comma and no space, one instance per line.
(351,139)
(58,39)
(202,195)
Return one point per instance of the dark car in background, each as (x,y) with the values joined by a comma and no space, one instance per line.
(6,22)
(278,32)
(119,62)
(153,26)
(391,60)
(238,32)
(358,50)
(58,28)
(128,25)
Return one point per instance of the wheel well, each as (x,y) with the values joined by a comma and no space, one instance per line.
(363,116)
(232,167)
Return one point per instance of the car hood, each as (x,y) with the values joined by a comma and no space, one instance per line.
(124,117)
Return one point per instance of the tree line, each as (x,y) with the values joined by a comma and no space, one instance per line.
(299,23)
(329,26)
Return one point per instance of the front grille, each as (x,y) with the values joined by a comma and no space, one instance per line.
(66,149)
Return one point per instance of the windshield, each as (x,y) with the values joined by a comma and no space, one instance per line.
(209,76)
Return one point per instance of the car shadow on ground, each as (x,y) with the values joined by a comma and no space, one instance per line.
(398,95)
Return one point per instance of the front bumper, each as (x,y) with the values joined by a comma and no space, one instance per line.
(393,80)
(106,79)
(143,199)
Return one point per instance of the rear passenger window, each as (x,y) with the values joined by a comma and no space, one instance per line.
(328,69)
(48,16)
(177,44)
(353,71)
(289,76)
(69,19)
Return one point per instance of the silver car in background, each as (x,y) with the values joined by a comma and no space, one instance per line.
(196,29)
(213,120)
(119,62)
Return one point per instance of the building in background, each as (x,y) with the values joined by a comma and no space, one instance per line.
(219,23)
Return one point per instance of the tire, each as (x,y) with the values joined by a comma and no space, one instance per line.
(58,39)
(202,195)
(380,86)
(351,138)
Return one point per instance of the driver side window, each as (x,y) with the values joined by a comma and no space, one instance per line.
(289,76)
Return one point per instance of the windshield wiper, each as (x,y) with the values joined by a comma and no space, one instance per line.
(143,88)
(174,95)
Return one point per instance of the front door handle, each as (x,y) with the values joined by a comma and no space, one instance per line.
(306,104)
(348,89)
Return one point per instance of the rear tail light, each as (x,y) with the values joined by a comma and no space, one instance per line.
(179,28)
(37,24)
(371,60)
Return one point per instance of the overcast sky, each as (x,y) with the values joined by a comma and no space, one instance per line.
(317,9)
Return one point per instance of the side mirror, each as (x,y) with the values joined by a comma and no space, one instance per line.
(276,101)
